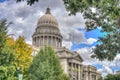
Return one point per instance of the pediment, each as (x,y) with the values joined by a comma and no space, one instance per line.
(78,57)
(69,54)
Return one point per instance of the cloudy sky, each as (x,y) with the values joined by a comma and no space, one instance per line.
(25,18)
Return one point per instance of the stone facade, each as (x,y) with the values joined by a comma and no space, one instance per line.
(48,33)
(90,72)
(117,72)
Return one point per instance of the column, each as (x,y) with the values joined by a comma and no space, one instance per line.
(39,41)
(76,71)
(35,41)
(60,43)
(51,41)
(43,41)
(79,72)
(54,41)
(72,71)
(47,40)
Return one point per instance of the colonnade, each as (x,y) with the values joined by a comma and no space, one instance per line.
(75,71)
(47,40)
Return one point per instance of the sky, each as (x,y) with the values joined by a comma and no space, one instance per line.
(25,18)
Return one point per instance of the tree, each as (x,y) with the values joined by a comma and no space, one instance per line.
(112,77)
(13,54)
(7,68)
(103,14)
(22,53)
(46,66)
(29,2)
(101,78)
(3,33)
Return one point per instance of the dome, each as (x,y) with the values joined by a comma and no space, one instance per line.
(47,31)
(47,20)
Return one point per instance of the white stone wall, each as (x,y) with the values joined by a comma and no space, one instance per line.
(64,65)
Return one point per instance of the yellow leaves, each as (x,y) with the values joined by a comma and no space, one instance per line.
(10,41)
(22,52)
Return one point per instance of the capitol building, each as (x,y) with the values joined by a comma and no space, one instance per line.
(47,33)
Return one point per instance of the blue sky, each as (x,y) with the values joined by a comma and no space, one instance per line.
(96,33)
(2,0)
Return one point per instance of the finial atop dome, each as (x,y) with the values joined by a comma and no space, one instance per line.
(48,11)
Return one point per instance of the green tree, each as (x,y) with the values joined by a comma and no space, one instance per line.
(22,54)
(106,15)
(101,78)
(117,76)
(13,54)
(112,77)
(7,68)
(46,66)
(29,2)
(3,33)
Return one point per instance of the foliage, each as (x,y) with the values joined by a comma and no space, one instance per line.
(7,68)
(3,33)
(7,73)
(101,78)
(13,54)
(103,14)
(22,53)
(29,2)
(46,66)
(112,77)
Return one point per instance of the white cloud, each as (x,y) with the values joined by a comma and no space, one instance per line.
(107,66)
(85,53)
(91,40)
(25,17)
(67,44)
(100,70)
(75,36)
(107,69)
